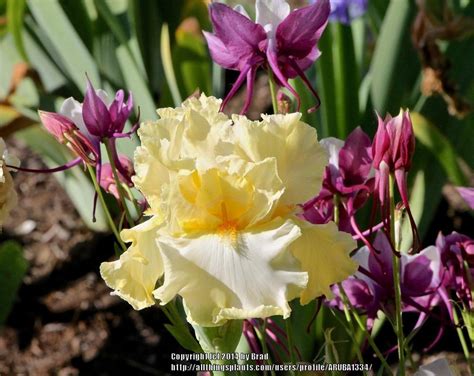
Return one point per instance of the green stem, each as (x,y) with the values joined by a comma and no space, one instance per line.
(133,199)
(273,92)
(263,336)
(396,282)
(118,183)
(346,303)
(106,209)
(369,338)
(291,346)
(462,339)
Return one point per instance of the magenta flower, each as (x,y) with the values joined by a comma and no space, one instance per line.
(457,257)
(281,41)
(83,127)
(348,176)
(392,150)
(371,288)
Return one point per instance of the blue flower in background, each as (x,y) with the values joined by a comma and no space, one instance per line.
(345,11)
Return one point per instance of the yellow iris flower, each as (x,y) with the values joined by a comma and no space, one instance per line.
(224,231)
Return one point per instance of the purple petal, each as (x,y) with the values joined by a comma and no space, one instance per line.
(219,52)
(467,194)
(298,33)
(95,113)
(242,37)
(417,276)
(381,144)
(355,160)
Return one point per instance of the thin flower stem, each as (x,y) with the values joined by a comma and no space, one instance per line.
(133,199)
(263,339)
(396,282)
(345,299)
(291,348)
(369,338)
(273,91)
(462,339)
(118,183)
(106,209)
(345,303)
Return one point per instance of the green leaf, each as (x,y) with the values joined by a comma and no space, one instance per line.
(15,13)
(192,62)
(182,337)
(136,84)
(116,27)
(346,80)
(394,65)
(430,136)
(142,14)
(67,43)
(222,339)
(325,83)
(13,268)
(167,62)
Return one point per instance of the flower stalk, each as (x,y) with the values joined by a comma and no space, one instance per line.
(118,183)
(396,280)
(112,225)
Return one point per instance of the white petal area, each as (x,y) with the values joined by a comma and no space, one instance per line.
(134,275)
(72,109)
(269,13)
(323,251)
(432,254)
(239,8)
(301,160)
(232,275)
(333,146)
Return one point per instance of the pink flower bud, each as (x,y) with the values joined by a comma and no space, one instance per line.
(394,142)
(67,133)
(107,180)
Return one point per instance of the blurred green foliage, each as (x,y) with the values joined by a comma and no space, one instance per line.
(13,268)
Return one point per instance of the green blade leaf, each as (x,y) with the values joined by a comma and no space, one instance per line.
(13,268)
(394,65)
(440,146)
(15,13)
(74,54)
(168,65)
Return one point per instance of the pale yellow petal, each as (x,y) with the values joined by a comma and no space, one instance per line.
(300,158)
(134,275)
(232,276)
(324,253)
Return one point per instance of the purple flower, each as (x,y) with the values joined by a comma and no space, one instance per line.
(84,126)
(457,257)
(280,40)
(468,195)
(348,176)
(371,288)
(345,11)
(392,150)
